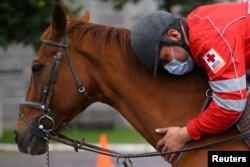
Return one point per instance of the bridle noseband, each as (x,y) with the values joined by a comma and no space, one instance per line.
(44,106)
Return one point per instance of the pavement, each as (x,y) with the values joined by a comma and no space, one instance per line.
(64,156)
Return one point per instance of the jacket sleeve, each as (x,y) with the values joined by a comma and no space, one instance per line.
(225,65)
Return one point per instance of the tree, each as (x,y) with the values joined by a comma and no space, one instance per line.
(24,21)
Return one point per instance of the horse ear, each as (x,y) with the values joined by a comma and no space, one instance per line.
(59,21)
(85,17)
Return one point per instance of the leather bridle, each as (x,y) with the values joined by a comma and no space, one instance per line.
(39,129)
(48,115)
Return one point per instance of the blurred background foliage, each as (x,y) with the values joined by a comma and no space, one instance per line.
(24,21)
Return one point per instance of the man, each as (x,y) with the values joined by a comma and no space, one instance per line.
(216,37)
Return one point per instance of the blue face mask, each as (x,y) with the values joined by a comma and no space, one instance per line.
(178,67)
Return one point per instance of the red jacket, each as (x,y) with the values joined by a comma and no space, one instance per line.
(219,37)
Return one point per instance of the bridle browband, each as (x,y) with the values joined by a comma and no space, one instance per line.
(44,106)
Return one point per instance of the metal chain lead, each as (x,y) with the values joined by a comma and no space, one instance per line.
(47,150)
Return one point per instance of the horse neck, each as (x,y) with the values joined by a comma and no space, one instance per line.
(152,104)
(144,101)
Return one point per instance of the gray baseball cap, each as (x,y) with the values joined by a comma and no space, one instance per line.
(147,34)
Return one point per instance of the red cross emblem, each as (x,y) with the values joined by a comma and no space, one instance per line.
(214,61)
(210,58)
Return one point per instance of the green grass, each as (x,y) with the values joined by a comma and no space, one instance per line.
(123,135)
(7,137)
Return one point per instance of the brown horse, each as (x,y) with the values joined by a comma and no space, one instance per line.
(100,58)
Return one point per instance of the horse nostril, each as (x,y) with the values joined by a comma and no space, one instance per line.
(15,136)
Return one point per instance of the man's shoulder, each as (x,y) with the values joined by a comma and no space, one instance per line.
(219,10)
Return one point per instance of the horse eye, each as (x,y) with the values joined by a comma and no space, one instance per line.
(37,68)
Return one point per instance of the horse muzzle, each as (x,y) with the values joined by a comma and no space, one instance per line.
(29,143)
(32,136)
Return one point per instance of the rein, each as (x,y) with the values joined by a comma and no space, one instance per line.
(77,145)
(81,145)
(41,130)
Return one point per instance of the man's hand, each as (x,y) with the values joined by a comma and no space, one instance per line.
(175,138)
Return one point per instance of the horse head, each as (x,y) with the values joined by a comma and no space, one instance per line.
(54,89)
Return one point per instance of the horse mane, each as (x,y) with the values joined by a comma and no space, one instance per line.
(116,35)
(101,34)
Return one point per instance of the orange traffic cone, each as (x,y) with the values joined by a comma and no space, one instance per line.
(103,160)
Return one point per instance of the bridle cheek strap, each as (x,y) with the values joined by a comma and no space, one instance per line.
(44,106)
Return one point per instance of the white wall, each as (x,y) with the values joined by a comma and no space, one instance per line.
(103,12)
